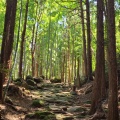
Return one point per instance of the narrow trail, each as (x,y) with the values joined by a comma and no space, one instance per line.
(50,101)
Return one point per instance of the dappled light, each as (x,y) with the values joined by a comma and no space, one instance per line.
(59,60)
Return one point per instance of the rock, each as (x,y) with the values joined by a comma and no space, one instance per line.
(39,86)
(55,108)
(18,83)
(73,93)
(38,103)
(45,115)
(29,77)
(30,82)
(47,85)
(55,80)
(38,80)
(50,100)
(18,80)
(30,87)
(25,85)
(42,76)
(76,109)
(62,102)
(63,117)
(15,90)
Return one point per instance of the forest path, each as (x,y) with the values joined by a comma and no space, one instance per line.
(52,101)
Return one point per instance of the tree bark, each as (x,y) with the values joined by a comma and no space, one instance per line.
(22,42)
(89,55)
(112,64)
(99,82)
(8,39)
(33,51)
(84,40)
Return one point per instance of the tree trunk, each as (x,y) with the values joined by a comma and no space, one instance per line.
(112,64)
(84,40)
(23,41)
(99,83)
(8,39)
(77,79)
(89,56)
(33,51)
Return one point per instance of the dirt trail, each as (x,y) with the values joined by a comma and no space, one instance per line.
(53,99)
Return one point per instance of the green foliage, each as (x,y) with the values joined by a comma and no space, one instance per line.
(59,24)
(38,103)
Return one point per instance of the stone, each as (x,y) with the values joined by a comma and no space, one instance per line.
(41,115)
(30,82)
(76,109)
(38,103)
(38,80)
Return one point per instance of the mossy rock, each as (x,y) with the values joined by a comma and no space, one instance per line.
(76,109)
(38,80)
(18,83)
(18,80)
(29,77)
(55,80)
(30,87)
(30,82)
(45,115)
(42,76)
(80,109)
(73,92)
(38,103)
(14,90)
(25,85)
(46,85)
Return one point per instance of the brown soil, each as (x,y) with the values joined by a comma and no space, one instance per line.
(21,99)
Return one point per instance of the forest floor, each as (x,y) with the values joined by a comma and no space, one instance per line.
(50,101)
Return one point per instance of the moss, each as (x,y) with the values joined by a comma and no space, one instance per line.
(38,103)
(46,85)
(18,79)
(31,87)
(80,109)
(45,115)
(18,83)
(38,80)
(29,77)
(55,80)
(30,82)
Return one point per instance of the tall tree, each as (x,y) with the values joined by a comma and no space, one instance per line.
(89,56)
(99,82)
(8,39)
(23,41)
(112,64)
(84,39)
